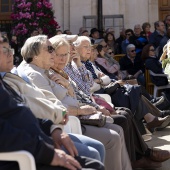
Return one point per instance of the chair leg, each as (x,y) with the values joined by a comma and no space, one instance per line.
(155,92)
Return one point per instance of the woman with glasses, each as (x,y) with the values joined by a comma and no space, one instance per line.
(7,59)
(152,63)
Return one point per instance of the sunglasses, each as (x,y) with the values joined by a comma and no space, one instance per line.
(133,51)
(129,34)
(111,52)
(50,49)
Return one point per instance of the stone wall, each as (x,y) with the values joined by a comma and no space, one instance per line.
(69,13)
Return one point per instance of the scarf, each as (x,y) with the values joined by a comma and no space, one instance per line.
(89,67)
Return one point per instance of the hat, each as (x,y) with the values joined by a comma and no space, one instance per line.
(93,30)
(70,38)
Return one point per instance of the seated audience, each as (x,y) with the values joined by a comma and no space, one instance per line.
(42,107)
(77,75)
(125,43)
(152,63)
(36,67)
(110,40)
(120,39)
(156,37)
(146,26)
(18,120)
(133,65)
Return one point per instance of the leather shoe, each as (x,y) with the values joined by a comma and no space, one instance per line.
(145,163)
(163,103)
(159,155)
(158,124)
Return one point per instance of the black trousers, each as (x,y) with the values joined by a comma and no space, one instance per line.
(86,163)
(134,141)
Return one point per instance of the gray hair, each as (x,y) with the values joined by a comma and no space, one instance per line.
(57,42)
(80,39)
(32,47)
(129,47)
(137,26)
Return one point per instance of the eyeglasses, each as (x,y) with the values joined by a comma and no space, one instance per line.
(152,50)
(8,51)
(50,49)
(133,51)
(129,34)
(62,55)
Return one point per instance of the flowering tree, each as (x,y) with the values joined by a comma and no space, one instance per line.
(27,15)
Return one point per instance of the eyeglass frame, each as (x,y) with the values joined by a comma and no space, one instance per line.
(62,55)
(9,51)
(132,51)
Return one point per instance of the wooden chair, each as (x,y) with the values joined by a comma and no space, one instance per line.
(149,84)
(117,57)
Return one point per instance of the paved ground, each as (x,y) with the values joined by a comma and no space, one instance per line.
(161,139)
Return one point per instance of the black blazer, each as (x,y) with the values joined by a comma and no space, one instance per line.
(132,68)
(155,66)
(20,129)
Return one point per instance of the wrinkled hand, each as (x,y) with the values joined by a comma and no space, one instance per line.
(60,80)
(87,110)
(100,75)
(62,159)
(62,139)
(76,58)
(97,81)
(104,111)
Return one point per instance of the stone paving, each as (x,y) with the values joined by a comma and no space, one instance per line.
(161,140)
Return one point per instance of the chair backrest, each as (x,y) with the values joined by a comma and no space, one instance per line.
(24,158)
(149,84)
(73,125)
(117,57)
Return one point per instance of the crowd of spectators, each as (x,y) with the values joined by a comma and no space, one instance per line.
(64,75)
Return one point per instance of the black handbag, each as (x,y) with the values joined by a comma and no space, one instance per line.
(96,119)
(111,88)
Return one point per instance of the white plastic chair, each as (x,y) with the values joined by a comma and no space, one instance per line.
(107,98)
(156,88)
(73,125)
(25,159)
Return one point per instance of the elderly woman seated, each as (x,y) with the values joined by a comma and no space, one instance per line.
(38,71)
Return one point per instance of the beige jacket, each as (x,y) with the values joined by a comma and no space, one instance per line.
(37,100)
(39,77)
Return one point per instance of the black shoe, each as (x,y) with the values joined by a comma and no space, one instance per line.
(165,113)
(155,100)
(163,103)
